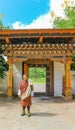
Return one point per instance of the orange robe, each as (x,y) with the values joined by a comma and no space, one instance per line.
(23,87)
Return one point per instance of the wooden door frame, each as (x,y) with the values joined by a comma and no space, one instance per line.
(49,77)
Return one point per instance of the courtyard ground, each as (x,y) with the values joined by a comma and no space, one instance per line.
(48,113)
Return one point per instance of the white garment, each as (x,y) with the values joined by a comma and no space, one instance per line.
(19,92)
(32,92)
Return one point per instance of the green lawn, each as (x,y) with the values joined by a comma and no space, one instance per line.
(38,80)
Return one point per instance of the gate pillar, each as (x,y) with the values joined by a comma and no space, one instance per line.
(26,69)
(10,77)
(68,86)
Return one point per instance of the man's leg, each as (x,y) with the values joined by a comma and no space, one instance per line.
(23,111)
(28,108)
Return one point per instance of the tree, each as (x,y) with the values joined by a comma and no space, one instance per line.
(1,24)
(3,63)
(3,27)
(68,22)
(73,62)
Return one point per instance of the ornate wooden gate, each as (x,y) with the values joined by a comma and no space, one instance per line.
(41,44)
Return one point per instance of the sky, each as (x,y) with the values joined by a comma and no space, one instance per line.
(27,14)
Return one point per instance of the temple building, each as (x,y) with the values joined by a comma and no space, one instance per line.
(49,48)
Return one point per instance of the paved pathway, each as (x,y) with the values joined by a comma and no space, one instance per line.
(48,113)
(39,88)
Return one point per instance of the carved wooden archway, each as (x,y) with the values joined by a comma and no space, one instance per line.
(48,65)
(41,44)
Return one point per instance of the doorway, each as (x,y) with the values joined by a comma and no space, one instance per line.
(37,75)
(46,79)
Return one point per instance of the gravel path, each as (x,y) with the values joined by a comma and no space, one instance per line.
(48,113)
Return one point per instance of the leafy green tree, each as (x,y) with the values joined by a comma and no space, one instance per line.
(3,27)
(37,75)
(37,72)
(68,22)
(1,24)
(3,63)
(73,62)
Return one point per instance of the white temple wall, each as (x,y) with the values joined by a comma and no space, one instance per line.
(73,81)
(59,71)
(17,76)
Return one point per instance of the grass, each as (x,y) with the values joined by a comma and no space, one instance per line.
(38,80)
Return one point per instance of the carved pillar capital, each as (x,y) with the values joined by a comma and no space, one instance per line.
(69,60)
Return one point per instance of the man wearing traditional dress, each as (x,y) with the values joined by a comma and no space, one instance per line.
(27,101)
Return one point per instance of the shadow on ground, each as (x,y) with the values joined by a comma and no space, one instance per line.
(43,114)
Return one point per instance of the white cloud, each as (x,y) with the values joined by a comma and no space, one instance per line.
(41,22)
(45,20)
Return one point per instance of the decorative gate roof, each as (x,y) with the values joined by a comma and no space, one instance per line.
(54,44)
